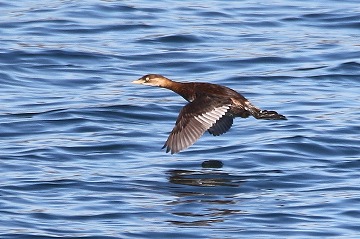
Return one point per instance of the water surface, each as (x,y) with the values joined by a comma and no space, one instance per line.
(81,146)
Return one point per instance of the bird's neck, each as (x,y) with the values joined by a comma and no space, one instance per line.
(186,90)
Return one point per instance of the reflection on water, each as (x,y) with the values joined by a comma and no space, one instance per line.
(207,199)
(206,178)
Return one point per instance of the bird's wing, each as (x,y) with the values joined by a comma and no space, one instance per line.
(194,119)
(221,126)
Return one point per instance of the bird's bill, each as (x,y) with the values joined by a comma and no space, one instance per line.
(139,81)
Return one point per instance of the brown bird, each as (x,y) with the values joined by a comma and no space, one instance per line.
(211,108)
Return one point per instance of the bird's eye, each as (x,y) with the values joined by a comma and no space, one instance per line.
(147,79)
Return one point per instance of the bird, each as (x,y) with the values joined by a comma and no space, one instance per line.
(210,107)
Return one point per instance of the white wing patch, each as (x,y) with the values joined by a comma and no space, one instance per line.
(184,136)
(209,118)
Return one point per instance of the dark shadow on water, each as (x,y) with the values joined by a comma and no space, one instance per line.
(212,164)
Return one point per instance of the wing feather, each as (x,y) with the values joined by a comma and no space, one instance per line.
(194,120)
(221,126)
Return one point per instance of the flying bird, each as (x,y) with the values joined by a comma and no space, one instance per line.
(211,108)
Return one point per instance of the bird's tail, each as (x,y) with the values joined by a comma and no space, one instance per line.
(264,114)
(269,115)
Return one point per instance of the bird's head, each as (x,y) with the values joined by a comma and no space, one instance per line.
(153,80)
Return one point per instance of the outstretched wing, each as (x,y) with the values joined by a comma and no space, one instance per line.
(221,126)
(194,119)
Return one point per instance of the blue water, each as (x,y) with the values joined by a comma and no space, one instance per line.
(81,146)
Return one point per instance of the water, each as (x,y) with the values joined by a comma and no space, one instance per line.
(81,146)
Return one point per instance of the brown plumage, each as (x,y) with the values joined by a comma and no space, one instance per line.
(211,108)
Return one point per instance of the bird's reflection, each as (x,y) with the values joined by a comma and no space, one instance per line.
(203,197)
(204,178)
